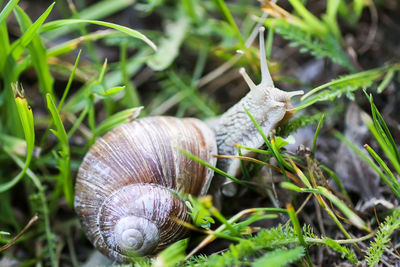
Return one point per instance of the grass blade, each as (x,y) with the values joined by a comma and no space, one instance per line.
(297,228)
(70,45)
(316,134)
(37,52)
(383,141)
(272,148)
(45,210)
(67,22)
(366,159)
(18,46)
(131,98)
(26,117)
(71,78)
(98,10)
(216,170)
(7,10)
(354,218)
(309,19)
(390,179)
(64,159)
(116,119)
(4,44)
(228,16)
(385,134)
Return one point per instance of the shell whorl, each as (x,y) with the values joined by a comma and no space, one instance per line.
(135,234)
(126,193)
(139,219)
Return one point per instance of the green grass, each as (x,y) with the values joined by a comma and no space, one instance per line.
(26,117)
(76,90)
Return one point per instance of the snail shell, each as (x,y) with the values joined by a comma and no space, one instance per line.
(127,188)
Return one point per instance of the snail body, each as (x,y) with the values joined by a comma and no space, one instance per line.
(268,105)
(127,191)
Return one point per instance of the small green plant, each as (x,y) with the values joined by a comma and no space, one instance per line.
(346,85)
(382,238)
(199,212)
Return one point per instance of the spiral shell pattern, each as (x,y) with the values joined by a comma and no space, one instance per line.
(126,192)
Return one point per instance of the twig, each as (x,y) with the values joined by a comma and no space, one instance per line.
(12,241)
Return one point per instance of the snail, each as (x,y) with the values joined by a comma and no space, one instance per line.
(127,191)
